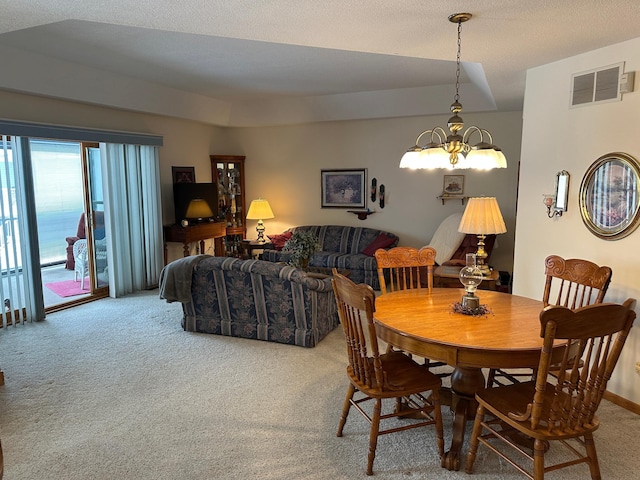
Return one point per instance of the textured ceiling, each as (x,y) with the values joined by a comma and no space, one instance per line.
(241,62)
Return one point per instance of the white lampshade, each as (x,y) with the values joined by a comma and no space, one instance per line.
(482,217)
(410,159)
(259,210)
(486,158)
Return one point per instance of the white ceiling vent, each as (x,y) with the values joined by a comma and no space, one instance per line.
(599,85)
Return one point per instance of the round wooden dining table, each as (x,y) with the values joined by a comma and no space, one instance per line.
(423,323)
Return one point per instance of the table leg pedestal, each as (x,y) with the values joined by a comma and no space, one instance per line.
(465,382)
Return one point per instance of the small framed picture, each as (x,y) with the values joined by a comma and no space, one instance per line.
(344,188)
(183,174)
(453,185)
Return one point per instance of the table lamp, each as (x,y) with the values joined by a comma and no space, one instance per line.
(259,210)
(482,217)
(198,210)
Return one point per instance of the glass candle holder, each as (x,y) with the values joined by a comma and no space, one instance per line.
(470,277)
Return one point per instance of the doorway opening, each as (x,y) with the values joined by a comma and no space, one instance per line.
(70,218)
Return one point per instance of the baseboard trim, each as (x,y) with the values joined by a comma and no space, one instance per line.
(622,402)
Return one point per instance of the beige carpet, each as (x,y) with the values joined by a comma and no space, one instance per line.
(115,389)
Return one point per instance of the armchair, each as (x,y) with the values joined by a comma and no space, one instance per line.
(81,234)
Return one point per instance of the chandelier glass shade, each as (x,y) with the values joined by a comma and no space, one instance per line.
(455,149)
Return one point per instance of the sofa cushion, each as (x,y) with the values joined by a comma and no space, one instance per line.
(327,259)
(381,241)
(278,240)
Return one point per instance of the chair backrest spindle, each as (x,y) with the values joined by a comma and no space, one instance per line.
(404,265)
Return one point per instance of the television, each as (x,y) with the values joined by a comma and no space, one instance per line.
(183,193)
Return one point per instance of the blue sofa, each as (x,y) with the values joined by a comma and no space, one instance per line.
(253,299)
(342,247)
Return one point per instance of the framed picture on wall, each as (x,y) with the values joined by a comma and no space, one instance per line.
(344,188)
(453,185)
(183,174)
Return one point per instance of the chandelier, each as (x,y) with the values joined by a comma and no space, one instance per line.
(454,150)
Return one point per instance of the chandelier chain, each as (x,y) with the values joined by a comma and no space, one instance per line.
(457,96)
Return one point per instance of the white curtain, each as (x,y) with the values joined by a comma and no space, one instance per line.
(133,217)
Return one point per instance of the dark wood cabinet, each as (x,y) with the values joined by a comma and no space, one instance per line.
(227,172)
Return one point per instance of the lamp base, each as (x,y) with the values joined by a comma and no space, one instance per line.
(260,230)
(485,270)
(470,301)
(481,256)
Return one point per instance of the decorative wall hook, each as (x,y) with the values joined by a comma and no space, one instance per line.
(381,196)
(374,186)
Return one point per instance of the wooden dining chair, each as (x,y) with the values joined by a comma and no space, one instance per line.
(571,283)
(400,268)
(557,409)
(376,377)
(404,268)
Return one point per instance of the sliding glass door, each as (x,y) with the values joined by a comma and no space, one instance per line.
(69,206)
(94,206)
(55,187)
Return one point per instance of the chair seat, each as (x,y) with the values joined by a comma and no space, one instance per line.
(515,399)
(407,376)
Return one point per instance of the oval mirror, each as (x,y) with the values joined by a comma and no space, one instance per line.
(609,196)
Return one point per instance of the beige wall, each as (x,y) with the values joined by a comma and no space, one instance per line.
(283,165)
(556,137)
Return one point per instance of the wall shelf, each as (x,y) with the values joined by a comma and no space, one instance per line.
(444,198)
(362,214)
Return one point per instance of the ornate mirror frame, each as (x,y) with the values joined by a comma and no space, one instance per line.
(610,196)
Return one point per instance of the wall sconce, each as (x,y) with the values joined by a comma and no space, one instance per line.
(557,203)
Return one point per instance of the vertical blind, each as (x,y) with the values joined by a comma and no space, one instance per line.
(18,288)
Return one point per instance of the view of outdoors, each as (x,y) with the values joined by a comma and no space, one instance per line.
(57,177)
(58,190)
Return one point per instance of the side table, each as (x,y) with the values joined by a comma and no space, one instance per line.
(446,276)
(194,233)
(248,246)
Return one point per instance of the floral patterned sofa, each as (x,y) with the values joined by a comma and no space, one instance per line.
(253,299)
(343,247)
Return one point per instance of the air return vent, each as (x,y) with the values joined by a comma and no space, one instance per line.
(596,86)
